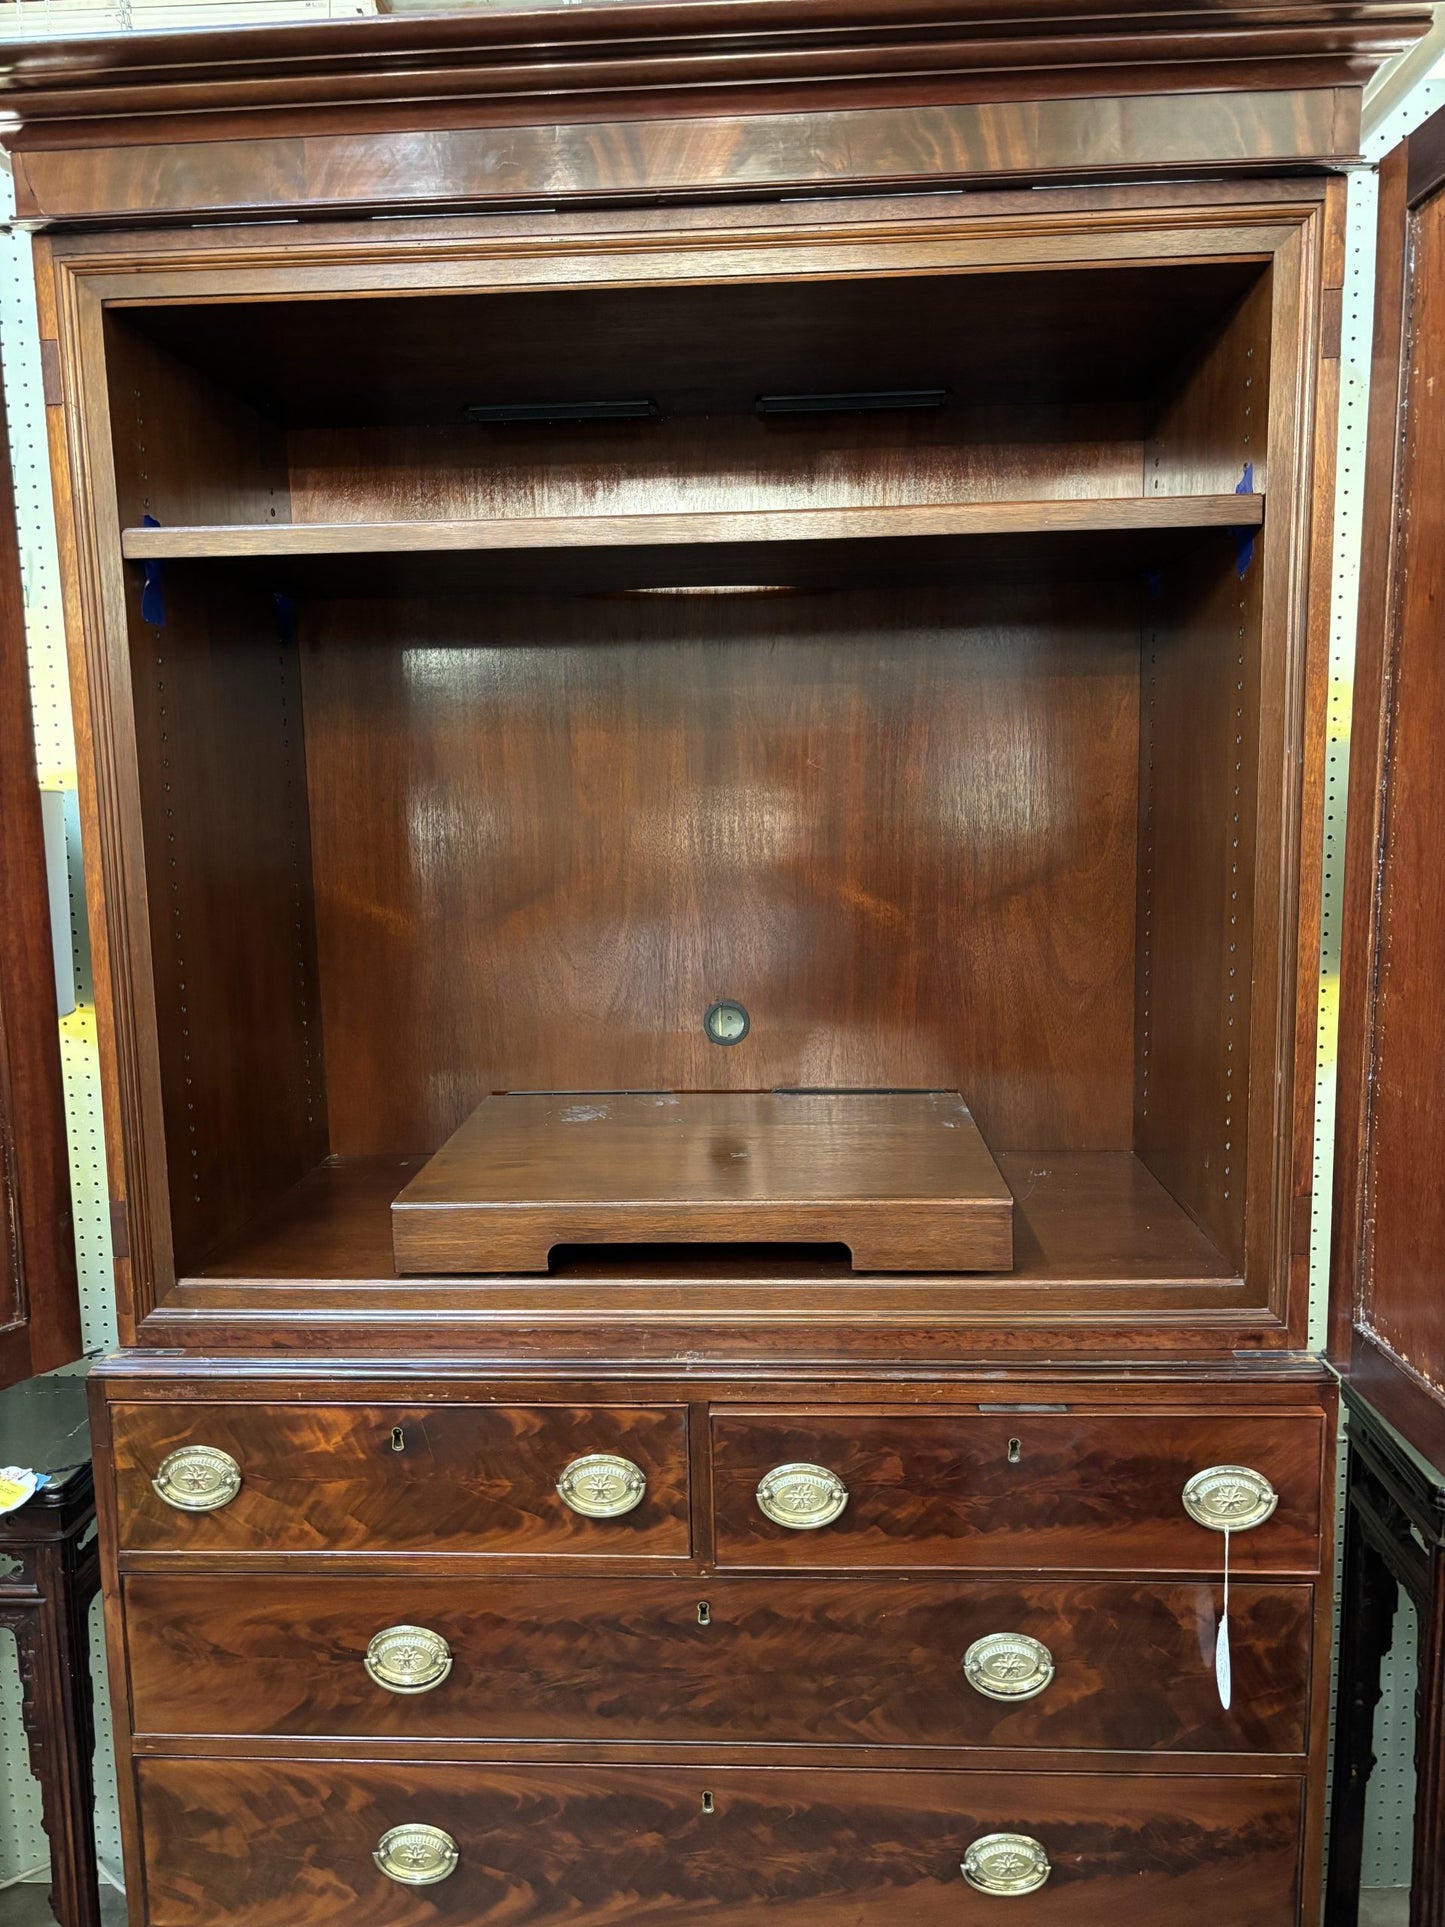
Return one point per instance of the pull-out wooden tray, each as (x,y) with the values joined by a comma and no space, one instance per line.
(903,1179)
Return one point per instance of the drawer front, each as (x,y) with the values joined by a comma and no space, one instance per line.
(825,1661)
(1017,1490)
(422,1478)
(273,1844)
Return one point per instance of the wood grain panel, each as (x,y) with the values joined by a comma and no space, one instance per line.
(666,530)
(813,1661)
(219,738)
(1401,1304)
(762,153)
(1024,1490)
(478,1478)
(273,1845)
(900,828)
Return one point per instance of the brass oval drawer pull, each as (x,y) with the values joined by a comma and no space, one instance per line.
(416,1855)
(1007,1864)
(408,1659)
(802,1497)
(1230,1498)
(198,1478)
(1008,1666)
(602,1486)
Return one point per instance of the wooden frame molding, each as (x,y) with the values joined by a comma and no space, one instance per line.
(691,100)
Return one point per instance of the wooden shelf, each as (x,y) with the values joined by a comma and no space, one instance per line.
(1094,1219)
(286,539)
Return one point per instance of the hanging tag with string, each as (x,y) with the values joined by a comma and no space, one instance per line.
(1223,1664)
(1228,1499)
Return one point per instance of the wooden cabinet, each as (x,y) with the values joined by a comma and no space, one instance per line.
(39,1306)
(704,777)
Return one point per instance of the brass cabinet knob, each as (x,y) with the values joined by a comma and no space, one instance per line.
(802,1496)
(408,1659)
(1230,1498)
(602,1486)
(1007,1864)
(198,1478)
(1008,1666)
(416,1856)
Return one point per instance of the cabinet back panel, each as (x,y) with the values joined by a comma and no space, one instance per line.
(720,462)
(900,828)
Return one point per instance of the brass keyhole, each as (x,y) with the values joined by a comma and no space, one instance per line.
(707,1804)
(704,1613)
(1015,1451)
(398,1439)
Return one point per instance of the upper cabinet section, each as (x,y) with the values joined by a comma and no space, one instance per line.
(1389,1198)
(503,106)
(514,643)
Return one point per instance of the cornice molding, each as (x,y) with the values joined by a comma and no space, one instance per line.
(621,61)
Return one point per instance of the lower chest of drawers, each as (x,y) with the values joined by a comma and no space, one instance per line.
(969,1652)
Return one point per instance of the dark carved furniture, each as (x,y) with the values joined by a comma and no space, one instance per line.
(1394,1539)
(791,568)
(49,1574)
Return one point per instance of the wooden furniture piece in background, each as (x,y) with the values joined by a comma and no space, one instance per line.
(1389,1246)
(693,550)
(1394,1541)
(39,1303)
(49,1574)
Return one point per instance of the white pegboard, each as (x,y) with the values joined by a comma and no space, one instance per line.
(1390,1799)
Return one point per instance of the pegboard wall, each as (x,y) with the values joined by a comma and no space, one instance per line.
(23,1849)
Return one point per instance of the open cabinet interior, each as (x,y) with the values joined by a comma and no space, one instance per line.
(516,676)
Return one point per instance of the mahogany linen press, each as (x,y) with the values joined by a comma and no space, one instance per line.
(699,638)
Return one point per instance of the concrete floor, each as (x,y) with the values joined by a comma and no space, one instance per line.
(27,1907)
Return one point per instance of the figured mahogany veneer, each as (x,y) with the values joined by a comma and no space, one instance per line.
(358,1478)
(904,1179)
(269,1844)
(1029,1489)
(826,1661)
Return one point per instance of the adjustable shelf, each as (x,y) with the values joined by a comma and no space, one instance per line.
(289,539)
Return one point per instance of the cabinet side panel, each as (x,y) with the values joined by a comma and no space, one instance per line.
(223,794)
(1405,1204)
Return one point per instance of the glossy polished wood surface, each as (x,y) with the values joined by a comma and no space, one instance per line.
(39,1306)
(1025,1489)
(1390,1211)
(903,1178)
(361,1478)
(243,1841)
(874,1662)
(609,813)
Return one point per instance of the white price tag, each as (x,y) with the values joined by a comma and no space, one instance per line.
(1223,1665)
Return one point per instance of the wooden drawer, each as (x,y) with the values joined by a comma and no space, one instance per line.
(467,1478)
(273,1844)
(1017,1490)
(826,1661)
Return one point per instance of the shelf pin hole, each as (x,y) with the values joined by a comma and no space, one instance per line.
(1015,1451)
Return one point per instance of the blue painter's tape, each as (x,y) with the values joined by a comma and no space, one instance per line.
(1244,538)
(285,617)
(152,600)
